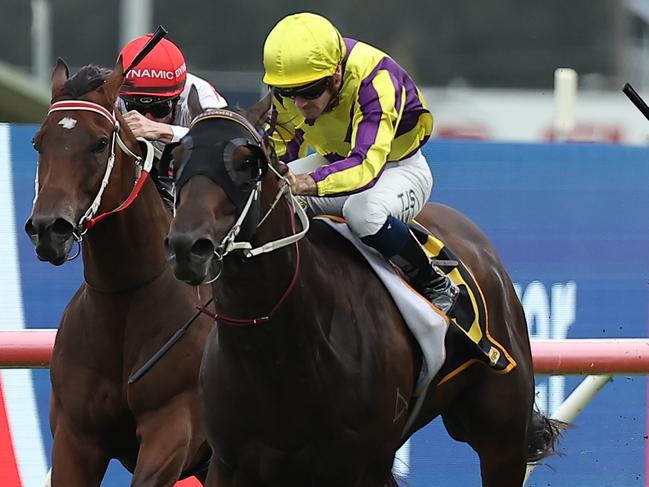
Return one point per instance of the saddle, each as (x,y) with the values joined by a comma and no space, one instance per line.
(467,340)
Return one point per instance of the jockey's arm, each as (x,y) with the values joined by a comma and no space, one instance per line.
(374,124)
(142,126)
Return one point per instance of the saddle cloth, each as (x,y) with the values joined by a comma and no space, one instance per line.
(448,345)
(468,339)
(426,322)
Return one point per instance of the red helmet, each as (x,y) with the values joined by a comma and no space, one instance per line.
(161,74)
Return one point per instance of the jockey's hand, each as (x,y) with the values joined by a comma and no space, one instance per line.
(301,184)
(282,168)
(142,126)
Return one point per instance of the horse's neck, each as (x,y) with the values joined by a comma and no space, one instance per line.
(257,289)
(251,287)
(126,248)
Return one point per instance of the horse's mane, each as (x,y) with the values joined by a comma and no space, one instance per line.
(88,78)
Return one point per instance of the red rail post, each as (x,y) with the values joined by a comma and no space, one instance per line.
(591,356)
(33,349)
(26,348)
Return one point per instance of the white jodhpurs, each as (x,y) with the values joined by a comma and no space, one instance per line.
(401,191)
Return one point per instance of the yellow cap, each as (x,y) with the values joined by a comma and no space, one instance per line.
(300,49)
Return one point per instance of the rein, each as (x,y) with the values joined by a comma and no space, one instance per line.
(262,319)
(88,220)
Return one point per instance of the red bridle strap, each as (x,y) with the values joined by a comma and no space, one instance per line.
(83,105)
(127,202)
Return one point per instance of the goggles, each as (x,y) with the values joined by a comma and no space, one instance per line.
(159,109)
(308,92)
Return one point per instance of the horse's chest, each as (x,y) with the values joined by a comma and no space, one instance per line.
(91,399)
(307,464)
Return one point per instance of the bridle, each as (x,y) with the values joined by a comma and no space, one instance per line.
(143,164)
(229,243)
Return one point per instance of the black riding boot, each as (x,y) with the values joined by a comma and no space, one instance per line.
(166,190)
(165,187)
(427,279)
(395,241)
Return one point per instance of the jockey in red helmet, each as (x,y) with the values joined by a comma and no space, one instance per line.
(155,92)
(154,96)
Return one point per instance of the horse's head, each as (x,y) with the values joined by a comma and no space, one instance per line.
(220,164)
(76,144)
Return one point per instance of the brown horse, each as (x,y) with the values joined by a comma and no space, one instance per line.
(310,371)
(129,304)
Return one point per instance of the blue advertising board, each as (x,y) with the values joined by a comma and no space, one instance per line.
(571,224)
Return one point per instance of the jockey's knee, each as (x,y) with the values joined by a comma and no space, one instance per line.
(364,216)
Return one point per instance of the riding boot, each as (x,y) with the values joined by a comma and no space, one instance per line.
(166,190)
(394,240)
(426,278)
(165,187)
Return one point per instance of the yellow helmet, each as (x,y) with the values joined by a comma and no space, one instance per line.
(300,49)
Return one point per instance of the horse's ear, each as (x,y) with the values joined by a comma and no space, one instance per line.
(194,103)
(257,113)
(114,81)
(60,75)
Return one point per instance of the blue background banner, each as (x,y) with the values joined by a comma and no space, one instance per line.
(571,224)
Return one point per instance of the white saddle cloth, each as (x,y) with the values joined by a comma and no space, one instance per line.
(426,323)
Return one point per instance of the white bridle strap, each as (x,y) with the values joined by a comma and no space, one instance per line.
(148,158)
(229,244)
(283,242)
(90,212)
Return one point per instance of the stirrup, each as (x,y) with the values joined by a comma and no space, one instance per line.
(439,289)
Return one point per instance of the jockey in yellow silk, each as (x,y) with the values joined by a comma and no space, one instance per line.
(366,120)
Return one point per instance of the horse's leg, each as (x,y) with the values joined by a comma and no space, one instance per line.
(505,468)
(76,461)
(166,443)
(495,428)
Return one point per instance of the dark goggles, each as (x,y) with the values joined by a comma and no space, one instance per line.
(308,92)
(159,109)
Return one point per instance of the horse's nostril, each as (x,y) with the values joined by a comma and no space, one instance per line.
(62,227)
(202,248)
(29,228)
(169,251)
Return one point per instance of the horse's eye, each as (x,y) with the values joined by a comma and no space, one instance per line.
(34,145)
(101,146)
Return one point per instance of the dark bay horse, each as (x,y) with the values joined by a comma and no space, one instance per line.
(308,377)
(129,304)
